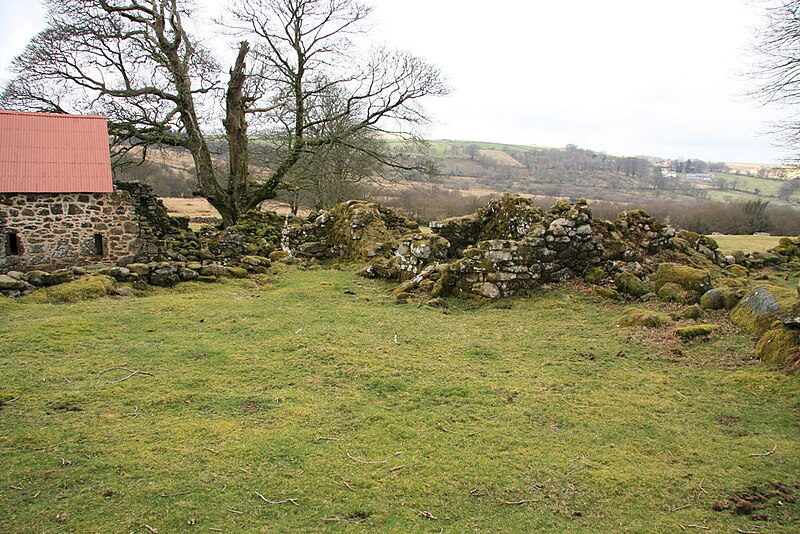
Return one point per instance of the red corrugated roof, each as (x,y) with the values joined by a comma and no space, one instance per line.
(50,153)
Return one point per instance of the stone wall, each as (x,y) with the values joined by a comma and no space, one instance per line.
(51,230)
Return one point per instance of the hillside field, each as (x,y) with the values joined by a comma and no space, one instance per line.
(313,401)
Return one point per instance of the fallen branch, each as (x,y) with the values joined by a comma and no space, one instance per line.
(769,453)
(427,515)
(133,372)
(443,429)
(701,527)
(285,501)
(215,529)
(324,438)
(740,531)
(519,503)
(151,529)
(209,449)
(237,512)
(359,460)
(397,468)
(176,494)
(684,507)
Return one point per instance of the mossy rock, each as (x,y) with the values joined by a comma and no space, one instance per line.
(695,331)
(779,346)
(628,283)
(608,293)
(720,299)
(84,288)
(689,278)
(236,272)
(693,312)
(761,307)
(672,292)
(642,318)
(594,275)
(737,271)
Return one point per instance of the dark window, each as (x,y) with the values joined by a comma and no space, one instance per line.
(99,245)
(13,247)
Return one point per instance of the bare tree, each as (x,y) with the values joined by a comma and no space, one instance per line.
(137,62)
(778,70)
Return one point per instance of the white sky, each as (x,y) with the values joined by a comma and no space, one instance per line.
(640,77)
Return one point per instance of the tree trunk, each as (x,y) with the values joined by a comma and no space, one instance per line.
(236,129)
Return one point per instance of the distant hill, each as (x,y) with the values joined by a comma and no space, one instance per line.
(484,168)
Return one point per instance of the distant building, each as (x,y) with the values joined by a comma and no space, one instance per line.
(58,206)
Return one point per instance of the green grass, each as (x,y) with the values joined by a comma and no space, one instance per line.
(746,243)
(538,399)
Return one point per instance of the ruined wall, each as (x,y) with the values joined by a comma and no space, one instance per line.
(49,230)
(511,246)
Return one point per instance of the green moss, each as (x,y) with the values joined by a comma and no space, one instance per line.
(761,307)
(672,292)
(689,278)
(594,275)
(628,283)
(643,318)
(692,312)
(236,272)
(695,331)
(84,288)
(779,346)
(738,271)
(720,299)
(608,293)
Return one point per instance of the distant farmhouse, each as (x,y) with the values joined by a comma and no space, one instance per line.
(58,206)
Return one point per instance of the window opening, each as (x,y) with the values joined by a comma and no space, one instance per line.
(99,245)
(13,247)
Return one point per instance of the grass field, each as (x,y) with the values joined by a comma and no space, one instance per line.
(348,412)
(746,243)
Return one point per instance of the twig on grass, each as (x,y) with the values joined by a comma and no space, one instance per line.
(359,460)
(701,527)
(519,503)
(325,438)
(701,486)
(236,512)
(176,494)
(348,486)
(396,468)
(243,470)
(427,515)
(395,340)
(768,453)
(684,507)
(740,531)
(209,449)
(681,394)
(151,529)
(133,372)
(443,429)
(215,529)
(285,501)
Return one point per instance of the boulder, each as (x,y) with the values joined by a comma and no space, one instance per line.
(700,330)
(672,292)
(642,318)
(629,284)
(689,278)
(759,309)
(779,345)
(720,299)
(84,288)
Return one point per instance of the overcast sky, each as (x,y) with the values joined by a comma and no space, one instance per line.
(634,77)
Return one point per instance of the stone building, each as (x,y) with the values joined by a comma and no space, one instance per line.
(58,206)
